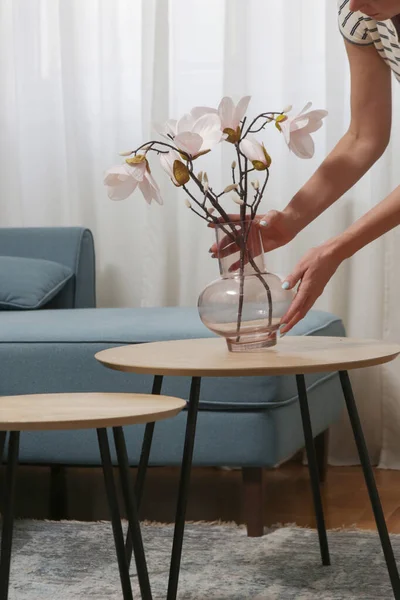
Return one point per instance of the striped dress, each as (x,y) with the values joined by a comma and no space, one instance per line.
(364,31)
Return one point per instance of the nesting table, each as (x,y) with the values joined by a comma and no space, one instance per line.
(295,356)
(84,411)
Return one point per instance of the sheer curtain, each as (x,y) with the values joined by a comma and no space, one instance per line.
(81,81)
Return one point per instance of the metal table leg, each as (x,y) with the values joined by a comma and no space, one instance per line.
(313,469)
(184,488)
(132,514)
(115,514)
(370,481)
(143,464)
(8,513)
(3,436)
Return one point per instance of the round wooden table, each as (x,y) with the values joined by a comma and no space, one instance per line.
(84,411)
(292,356)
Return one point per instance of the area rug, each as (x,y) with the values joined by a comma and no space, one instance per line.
(72,561)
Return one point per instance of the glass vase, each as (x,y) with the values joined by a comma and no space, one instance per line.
(246,304)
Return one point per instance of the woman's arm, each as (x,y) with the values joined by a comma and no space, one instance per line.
(362,145)
(379,220)
(319,264)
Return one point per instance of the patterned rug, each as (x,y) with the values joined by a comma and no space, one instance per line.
(74,561)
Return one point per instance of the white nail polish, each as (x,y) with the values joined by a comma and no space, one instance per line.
(263,223)
(285,285)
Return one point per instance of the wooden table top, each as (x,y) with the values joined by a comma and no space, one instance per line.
(84,411)
(210,357)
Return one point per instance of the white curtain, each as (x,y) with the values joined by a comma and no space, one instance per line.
(82,80)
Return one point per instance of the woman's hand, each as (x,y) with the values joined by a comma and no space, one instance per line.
(277,229)
(313,271)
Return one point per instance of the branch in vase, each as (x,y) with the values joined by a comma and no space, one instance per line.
(214,202)
(149,147)
(209,218)
(261,193)
(263,126)
(268,115)
(246,182)
(199,204)
(241,171)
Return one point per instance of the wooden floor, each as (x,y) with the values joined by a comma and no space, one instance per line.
(216,495)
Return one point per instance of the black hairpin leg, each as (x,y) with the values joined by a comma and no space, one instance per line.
(115,514)
(131,512)
(143,464)
(313,469)
(8,513)
(3,436)
(184,488)
(370,481)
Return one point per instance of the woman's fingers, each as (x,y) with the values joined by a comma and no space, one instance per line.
(227,250)
(236,265)
(297,317)
(291,280)
(226,247)
(288,326)
(232,219)
(223,243)
(297,306)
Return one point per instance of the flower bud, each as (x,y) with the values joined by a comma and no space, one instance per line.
(210,210)
(205,177)
(233,165)
(230,188)
(237,199)
(205,187)
(200,175)
(287,108)
(187,202)
(127,153)
(256,184)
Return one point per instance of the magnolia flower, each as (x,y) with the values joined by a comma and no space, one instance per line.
(194,135)
(172,164)
(297,130)
(229,114)
(122,180)
(256,153)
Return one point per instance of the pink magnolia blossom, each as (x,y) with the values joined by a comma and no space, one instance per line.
(172,164)
(255,152)
(194,134)
(229,114)
(122,181)
(297,130)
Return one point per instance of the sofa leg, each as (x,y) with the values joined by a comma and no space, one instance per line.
(58,493)
(321,449)
(253,504)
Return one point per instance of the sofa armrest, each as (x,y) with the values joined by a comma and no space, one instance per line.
(70,246)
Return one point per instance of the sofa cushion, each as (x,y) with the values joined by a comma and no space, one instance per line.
(130,325)
(29,283)
(72,337)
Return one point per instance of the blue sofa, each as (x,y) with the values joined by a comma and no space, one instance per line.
(247,422)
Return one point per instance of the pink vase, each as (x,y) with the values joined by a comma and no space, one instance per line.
(246,304)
